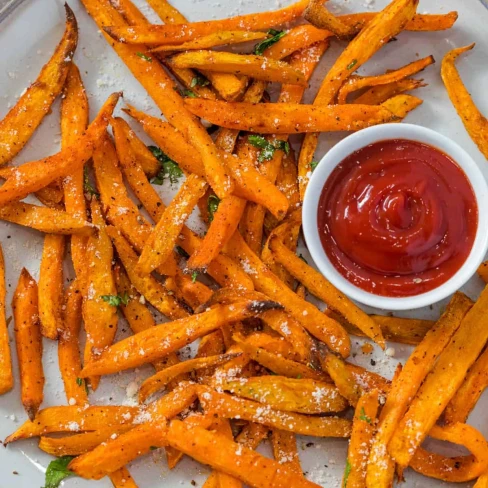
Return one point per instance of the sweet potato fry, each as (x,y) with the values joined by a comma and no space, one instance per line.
(363,429)
(160,380)
(29,343)
(343,378)
(380,93)
(285,450)
(272,343)
(122,479)
(192,292)
(357,82)
(75,419)
(483,271)
(51,283)
(318,15)
(318,324)
(166,12)
(282,118)
(73,445)
(258,67)
(367,379)
(212,40)
(227,406)
(321,288)
(154,344)
(151,289)
(47,220)
(460,406)
(23,119)
(159,246)
(401,105)
(457,469)
(233,459)
(396,329)
(170,34)
(382,27)
(160,87)
(99,314)
(474,121)
(441,383)
(35,175)
(69,347)
(6,376)
(74,121)
(290,395)
(482,481)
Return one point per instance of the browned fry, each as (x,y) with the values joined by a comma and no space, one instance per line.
(29,343)
(69,357)
(380,93)
(318,15)
(23,119)
(6,376)
(122,479)
(51,285)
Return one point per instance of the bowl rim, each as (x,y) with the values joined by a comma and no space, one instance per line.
(358,140)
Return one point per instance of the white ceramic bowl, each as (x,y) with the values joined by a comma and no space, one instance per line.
(359,140)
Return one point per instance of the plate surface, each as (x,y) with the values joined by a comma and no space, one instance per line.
(29,35)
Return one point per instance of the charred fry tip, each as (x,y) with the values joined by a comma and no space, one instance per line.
(109,30)
(70,15)
(257,306)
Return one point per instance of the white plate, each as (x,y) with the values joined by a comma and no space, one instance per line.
(28,37)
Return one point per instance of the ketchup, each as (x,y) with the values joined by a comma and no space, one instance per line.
(397,218)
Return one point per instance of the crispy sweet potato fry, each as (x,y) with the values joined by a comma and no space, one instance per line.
(318,324)
(258,67)
(321,288)
(357,82)
(285,449)
(363,429)
(160,87)
(166,12)
(401,105)
(169,34)
(154,344)
(99,316)
(160,380)
(221,38)
(75,419)
(441,383)
(482,481)
(233,459)
(227,406)
(6,376)
(69,358)
(159,246)
(47,220)
(151,289)
(23,119)
(290,395)
(282,118)
(396,329)
(29,343)
(380,93)
(483,271)
(192,292)
(474,121)
(51,285)
(318,15)
(343,378)
(35,175)
(460,406)
(383,26)
(457,469)
(122,479)
(74,121)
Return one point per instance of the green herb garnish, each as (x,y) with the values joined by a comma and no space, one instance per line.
(199,81)
(189,94)
(363,416)
(79,381)
(266,43)
(267,148)
(347,472)
(57,471)
(169,169)
(194,276)
(212,206)
(87,184)
(314,164)
(116,300)
(145,57)
(353,63)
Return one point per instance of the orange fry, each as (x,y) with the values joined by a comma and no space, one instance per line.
(122,479)
(35,175)
(29,343)
(23,119)
(285,449)
(483,271)
(318,15)
(380,93)
(6,376)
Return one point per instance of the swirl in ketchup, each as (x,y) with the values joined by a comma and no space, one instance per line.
(397,218)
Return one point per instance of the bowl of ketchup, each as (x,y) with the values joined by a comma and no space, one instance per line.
(393,216)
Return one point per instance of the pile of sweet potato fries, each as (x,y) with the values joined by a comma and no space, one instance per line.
(269,362)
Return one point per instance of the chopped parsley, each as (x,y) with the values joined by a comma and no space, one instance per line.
(267,148)
(79,381)
(352,64)
(57,471)
(87,184)
(194,276)
(363,416)
(199,81)
(347,472)
(212,206)
(116,300)
(169,169)
(266,43)
(145,57)
(189,94)
(314,164)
